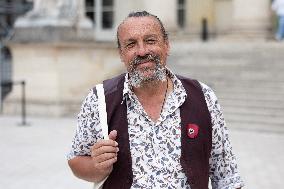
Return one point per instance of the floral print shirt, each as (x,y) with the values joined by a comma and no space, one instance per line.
(156,146)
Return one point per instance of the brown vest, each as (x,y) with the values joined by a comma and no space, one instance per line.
(195,152)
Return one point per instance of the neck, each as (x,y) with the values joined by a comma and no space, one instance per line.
(151,88)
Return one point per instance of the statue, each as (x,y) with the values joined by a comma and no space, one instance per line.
(50,13)
(53,9)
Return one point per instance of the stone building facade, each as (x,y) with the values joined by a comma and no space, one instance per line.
(62,48)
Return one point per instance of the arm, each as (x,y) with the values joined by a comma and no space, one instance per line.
(90,157)
(223,166)
(82,167)
(99,165)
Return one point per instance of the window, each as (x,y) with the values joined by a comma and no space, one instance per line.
(90,7)
(181,13)
(101,12)
(107,14)
(105,11)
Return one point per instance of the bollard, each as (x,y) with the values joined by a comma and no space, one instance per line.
(204,30)
(23,84)
(23,98)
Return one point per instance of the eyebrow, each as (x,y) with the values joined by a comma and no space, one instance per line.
(133,39)
(146,36)
(152,35)
(128,41)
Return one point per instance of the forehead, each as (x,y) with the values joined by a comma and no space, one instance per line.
(139,26)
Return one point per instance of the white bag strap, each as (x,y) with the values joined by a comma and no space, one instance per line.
(102,110)
(103,122)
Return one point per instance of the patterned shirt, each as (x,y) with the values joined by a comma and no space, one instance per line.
(156,146)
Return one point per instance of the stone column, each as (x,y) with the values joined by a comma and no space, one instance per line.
(251,18)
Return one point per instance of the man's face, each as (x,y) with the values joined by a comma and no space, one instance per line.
(143,49)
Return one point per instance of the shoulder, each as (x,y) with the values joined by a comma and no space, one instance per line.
(208,91)
(186,81)
(210,98)
(89,104)
(195,84)
(113,84)
(205,87)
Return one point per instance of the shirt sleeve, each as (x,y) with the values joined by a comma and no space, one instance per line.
(88,128)
(223,170)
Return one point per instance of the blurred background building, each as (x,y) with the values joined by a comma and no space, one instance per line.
(62,48)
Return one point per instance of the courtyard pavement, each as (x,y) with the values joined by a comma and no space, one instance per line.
(33,156)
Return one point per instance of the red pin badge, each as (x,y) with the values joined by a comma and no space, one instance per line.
(192,130)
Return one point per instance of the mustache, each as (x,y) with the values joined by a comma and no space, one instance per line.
(148,57)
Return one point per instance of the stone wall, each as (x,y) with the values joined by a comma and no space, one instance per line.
(59,75)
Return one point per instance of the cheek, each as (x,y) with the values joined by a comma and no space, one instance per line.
(125,58)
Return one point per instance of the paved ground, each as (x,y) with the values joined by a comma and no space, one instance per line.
(33,157)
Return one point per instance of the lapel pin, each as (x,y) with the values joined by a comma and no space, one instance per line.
(192,130)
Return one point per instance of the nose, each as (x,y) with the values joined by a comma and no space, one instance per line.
(142,50)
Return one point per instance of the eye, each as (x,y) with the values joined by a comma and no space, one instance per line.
(151,41)
(130,45)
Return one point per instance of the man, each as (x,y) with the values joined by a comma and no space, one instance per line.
(167,131)
(278,7)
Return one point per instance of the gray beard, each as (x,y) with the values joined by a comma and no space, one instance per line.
(137,78)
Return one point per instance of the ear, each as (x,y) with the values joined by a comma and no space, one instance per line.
(120,54)
(167,47)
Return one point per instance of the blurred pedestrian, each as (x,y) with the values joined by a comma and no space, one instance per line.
(278,7)
(167,131)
